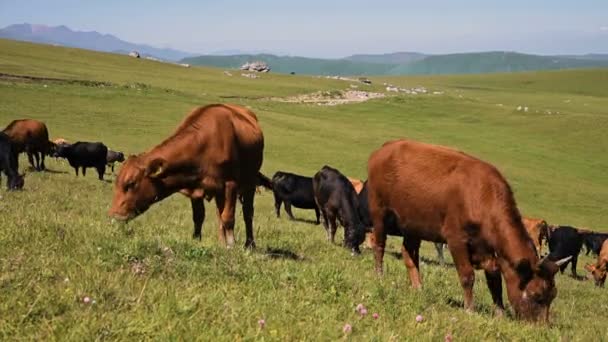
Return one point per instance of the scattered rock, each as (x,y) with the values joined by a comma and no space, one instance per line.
(257,66)
(250,75)
(332,98)
(227,73)
(365,80)
(185,65)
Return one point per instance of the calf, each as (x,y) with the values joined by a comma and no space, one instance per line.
(435,193)
(114,157)
(565,241)
(292,189)
(593,241)
(367,222)
(599,269)
(537,229)
(357,184)
(84,154)
(9,163)
(336,198)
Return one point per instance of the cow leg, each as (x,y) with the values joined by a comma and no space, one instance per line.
(332,227)
(30,157)
(277,205)
(573,266)
(466,273)
(325,222)
(101,170)
(198,216)
(76,170)
(112,167)
(42,166)
(494,280)
(84,171)
(410,250)
(378,242)
(226,203)
(317,215)
(439,248)
(288,210)
(247,202)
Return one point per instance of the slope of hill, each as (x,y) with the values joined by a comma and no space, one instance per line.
(388,58)
(62,35)
(407,63)
(489,62)
(299,65)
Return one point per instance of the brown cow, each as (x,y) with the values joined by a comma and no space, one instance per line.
(216,152)
(438,194)
(537,229)
(599,269)
(32,137)
(357,184)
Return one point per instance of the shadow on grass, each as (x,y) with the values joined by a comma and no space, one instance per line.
(281,253)
(482,309)
(398,256)
(305,221)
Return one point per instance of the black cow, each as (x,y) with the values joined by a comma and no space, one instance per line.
(593,242)
(9,163)
(367,222)
(565,241)
(84,154)
(113,157)
(295,190)
(336,198)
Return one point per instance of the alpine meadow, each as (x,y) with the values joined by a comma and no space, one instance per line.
(68,273)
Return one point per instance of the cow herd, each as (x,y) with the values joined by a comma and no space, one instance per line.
(413,190)
(32,137)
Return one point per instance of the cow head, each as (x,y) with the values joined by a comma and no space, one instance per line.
(139,184)
(598,273)
(16,182)
(61,150)
(532,289)
(121,157)
(354,237)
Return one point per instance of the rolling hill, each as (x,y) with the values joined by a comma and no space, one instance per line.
(406,63)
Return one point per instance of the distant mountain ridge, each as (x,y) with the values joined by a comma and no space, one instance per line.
(397,63)
(92,40)
(409,63)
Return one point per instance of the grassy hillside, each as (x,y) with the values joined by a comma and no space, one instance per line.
(485,62)
(406,63)
(149,280)
(299,65)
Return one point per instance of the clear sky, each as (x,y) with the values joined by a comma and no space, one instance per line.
(325,28)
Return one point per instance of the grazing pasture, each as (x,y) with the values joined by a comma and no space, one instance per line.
(67,273)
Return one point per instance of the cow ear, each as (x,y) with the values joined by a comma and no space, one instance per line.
(156,168)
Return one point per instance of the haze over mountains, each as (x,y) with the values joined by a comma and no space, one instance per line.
(398,63)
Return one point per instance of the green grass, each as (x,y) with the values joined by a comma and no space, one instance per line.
(150,280)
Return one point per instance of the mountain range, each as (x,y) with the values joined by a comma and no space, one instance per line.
(398,63)
(62,35)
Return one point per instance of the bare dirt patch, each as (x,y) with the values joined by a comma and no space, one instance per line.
(332,97)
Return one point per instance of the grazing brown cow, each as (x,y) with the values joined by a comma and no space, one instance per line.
(599,269)
(537,229)
(357,184)
(438,194)
(216,152)
(32,137)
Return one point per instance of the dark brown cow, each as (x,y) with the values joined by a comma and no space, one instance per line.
(32,137)
(598,270)
(216,152)
(537,229)
(438,194)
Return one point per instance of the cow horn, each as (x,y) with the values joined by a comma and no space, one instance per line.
(541,261)
(563,261)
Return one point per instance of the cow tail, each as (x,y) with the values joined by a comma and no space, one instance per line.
(264,181)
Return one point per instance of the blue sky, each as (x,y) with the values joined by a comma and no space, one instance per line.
(333,28)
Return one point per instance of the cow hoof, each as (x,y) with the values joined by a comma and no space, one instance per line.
(250,245)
